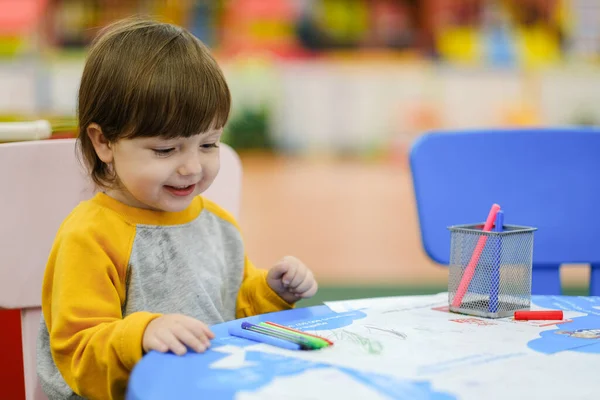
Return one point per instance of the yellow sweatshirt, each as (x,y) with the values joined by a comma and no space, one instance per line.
(114,268)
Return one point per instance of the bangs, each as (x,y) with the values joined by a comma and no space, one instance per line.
(182,93)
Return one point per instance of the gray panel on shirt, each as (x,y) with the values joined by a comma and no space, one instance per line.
(194,269)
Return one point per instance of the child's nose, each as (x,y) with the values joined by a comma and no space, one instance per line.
(192,166)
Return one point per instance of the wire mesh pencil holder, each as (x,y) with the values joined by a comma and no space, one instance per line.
(490,272)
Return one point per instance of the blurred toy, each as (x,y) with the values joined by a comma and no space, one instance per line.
(457,31)
(258,26)
(393,24)
(540,30)
(18,23)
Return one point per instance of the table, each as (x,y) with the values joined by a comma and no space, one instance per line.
(399,348)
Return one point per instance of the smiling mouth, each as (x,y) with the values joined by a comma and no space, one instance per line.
(180,190)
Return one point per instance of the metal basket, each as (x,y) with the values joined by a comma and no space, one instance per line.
(500,282)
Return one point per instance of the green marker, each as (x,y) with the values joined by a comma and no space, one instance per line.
(305,343)
(316,342)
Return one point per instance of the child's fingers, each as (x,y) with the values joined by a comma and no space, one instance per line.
(278,271)
(305,284)
(289,276)
(200,330)
(311,291)
(299,278)
(154,343)
(169,338)
(191,338)
(208,332)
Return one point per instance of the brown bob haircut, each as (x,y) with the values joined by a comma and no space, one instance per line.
(144,78)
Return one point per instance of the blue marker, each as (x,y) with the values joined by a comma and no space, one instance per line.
(495,278)
(259,337)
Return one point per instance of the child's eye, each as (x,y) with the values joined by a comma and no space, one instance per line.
(163,152)
(209,145)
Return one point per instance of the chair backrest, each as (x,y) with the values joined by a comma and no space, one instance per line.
(545,178)
(42,181)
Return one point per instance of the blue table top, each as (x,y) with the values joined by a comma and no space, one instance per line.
(437,346)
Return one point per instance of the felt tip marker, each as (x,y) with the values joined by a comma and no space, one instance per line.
(259,337)
(548,315)
(297,331)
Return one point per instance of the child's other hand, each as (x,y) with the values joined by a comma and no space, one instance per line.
(174,332)
(292,280)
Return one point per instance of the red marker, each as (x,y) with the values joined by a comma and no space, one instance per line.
(541,315)
(298,331)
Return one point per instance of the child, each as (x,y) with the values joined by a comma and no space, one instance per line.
(147,264)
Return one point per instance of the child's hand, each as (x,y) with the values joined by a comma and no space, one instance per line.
(292,280)
(174,332)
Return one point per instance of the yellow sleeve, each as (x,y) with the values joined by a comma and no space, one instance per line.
(255,295)
(92,345)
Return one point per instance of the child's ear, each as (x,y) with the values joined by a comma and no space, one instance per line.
(101,145)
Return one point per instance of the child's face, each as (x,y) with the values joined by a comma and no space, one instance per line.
(165,174)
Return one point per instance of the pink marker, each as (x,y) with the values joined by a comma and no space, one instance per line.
(470,270)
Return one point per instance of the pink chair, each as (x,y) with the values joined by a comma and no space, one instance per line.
(41,182)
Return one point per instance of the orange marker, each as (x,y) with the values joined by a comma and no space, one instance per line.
(297,331)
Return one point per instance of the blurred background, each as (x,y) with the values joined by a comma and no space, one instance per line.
(328,97)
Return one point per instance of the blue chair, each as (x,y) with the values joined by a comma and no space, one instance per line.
(545,178)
